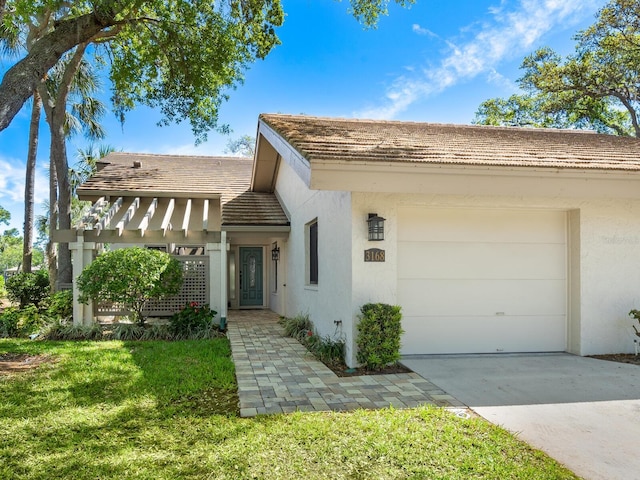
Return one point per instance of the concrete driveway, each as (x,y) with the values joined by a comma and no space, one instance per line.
(583,412)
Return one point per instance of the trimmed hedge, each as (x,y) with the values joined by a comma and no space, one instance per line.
(379,332)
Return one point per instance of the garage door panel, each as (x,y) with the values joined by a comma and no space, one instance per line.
(481,225)
(481,260)
(459,335)
(482,280)
(482,297)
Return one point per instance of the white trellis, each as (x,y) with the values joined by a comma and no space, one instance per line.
(195,288)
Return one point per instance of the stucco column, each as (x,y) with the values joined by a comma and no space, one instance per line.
(81,256)
(223,280)
(215,301)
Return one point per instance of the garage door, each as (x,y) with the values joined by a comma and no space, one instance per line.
(481,280)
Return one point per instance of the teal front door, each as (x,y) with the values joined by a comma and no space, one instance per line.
(251,277)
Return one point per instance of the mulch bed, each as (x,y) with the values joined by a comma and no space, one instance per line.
(341,370)
(15,363)
(619,357)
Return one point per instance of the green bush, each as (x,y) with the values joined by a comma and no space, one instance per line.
(128,331)
(157,332)
(20,322)
(296,327)
(61,304)
(191,320)
(60,330)
(28,288)
(379,332)
(327,350)
(3,291)
(132,277)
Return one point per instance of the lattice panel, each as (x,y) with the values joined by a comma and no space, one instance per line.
(195,288)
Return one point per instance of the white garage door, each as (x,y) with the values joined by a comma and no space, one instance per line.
(481,280)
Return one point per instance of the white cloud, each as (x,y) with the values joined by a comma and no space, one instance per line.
(422,31)
(189,149)
(12,179)
(510,32)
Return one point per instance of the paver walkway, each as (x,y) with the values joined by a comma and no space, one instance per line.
(276,374)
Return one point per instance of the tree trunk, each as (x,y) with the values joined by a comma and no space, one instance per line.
(59,158)
(29,184)
(52,251)
(21,80)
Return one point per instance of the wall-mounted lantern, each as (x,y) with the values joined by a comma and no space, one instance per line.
(376,227)
(275,253)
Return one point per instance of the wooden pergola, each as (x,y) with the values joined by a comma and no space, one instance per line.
(172,203)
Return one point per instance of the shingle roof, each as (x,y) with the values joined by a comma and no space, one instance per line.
(333,139)
(167,175)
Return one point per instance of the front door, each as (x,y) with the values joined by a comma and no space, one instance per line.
(251,277)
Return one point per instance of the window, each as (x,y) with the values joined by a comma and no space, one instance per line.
(313,252)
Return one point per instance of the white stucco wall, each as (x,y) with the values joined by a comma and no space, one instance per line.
(330,300)
(604,250)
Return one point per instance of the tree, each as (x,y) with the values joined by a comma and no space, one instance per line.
(132,277)
(180,56)
(245,146)
(595,88)
(5,216)
(72,80)
(30,183)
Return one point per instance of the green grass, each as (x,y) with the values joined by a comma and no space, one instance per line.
(160,410)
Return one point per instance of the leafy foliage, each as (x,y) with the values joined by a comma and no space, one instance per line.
(131,276)
(324,348)
(245,146)
(61,304)
(379,332)
(191,320)
(595,88)
(20,322)
(28,288)
(60,330)
(5,216)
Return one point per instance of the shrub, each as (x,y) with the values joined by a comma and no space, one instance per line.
(325,349)
(132,277)
(379,331)
(61,304)
(191,321)
(3,291)
(128,331)
(18,322)
(296,327)
(28,288)
(157,332)
(59,330)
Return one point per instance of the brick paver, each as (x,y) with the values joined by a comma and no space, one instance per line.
(276,374)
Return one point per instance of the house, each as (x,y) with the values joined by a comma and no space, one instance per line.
(494,239)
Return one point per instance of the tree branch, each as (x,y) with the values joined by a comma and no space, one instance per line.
(20,81)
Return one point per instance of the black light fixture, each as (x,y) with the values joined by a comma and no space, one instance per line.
(275,253)
(376,227)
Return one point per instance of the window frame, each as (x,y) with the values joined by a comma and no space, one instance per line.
(312,262)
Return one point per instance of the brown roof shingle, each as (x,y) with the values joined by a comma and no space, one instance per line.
(334,139)
(170,175)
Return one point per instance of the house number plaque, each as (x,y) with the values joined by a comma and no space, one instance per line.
(374,255)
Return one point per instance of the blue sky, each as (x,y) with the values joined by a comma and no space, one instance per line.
(434,62)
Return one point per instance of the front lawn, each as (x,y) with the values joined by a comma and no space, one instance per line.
(166,410)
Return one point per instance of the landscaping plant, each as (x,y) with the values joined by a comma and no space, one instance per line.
(329,351)
(379,332)
(193,321)
(132,277)
(28,288)
(20,322)
(635,314)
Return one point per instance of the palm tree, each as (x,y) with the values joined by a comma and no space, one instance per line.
(69,109)
(29,184)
